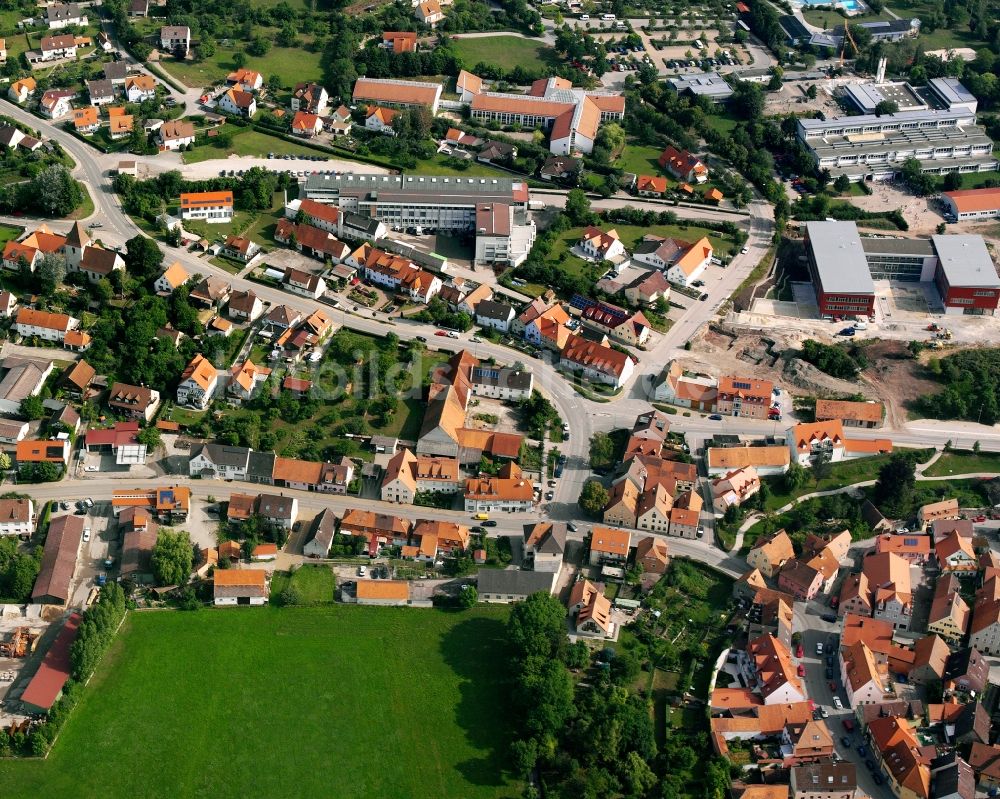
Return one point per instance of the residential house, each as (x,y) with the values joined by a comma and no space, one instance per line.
(494,315)
(8,304)
(306,124)
(380,119)
(245,378)
(734,488)
(824,780)
(898,751)
(684,522)
(245,306)
(952,777)
(310,97)
(217,461)
(984,631)
(133,402)
(175,38)
(429,13)
(305,284)
(54,47)
(850,414)
(17,517)
(954,554)
(770,553)
(742,396)
(120,126)
(651,554)
(804,743)
(609,546)
(497,152)
(595,243)
(407,474)
(683,165)
(209,206)
(913,548)
(563,168)
(545,545)
(101,92)
(240,586)
(278,510)
(767,668)
(138,8)
(930,658)
(596,362)
(627,327)
(31,323)
(800,580)
(240,249)
(173,277)
(966,671)
(677,387)
(56,103)
(55,451)
(175,134)
(323,529)
(892,596)
(949,613)
(505,586)
(199,382)
(238,103)
(650,186)
(592,610)
(508,491)
(934,511)
(21,90)
(985,762)
(809,441)
(85,120)
(501,382)
(65,15)
(246,79)
(139,88)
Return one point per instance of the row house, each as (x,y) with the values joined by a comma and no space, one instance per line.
(509,491)
(406,474)
(44,325)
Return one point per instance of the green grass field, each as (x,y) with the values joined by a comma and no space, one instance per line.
(964,462)
(640,159)
(315,584)
(287,702)
(506,52)
(290,64)
(247,142)
(841,474)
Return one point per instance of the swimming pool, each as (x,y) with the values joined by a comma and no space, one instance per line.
(850,6)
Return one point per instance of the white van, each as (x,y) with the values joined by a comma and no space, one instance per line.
(585,16)
(608,17)
(620,24)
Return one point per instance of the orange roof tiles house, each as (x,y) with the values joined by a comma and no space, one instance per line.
(650,186)
(609,545)
(683,165)
(850,414)
(210,206)
(383,592)
(398,93)
(773,674)
(770,553)
(240,586)
(912,547)
(400,41)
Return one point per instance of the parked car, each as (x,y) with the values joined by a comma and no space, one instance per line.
(715,417)
(798,651)
(362,571)
(837,703)
(86,534)
(490,523)
(829,617)
(877,778)
(845,741)
(819,647)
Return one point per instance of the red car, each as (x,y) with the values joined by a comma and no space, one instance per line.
(979,519)
(802,670)
(834,601)
(798,651)
(833,686)
(440,333)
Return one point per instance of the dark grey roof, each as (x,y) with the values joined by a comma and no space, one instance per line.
(514,583)
(970,664)
(260,466)
(561,165)
(513,379)
(892,246)
(362,223)
(496,149)
(494,310)
(58,559)
(222,455)
(553,542)
(100,88)
(59,11)
(794,28)
(7,134)
(951,776)
(273,506)
(116,70)
(323,529)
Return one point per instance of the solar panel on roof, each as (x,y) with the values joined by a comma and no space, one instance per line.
(740,384)
(910,542)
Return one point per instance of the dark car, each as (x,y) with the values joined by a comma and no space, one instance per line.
(845,741)
(829,660)
(847,331)
(490,523)
(870,764)
(715,417)
(703,297)
(877,778)
(421,338)
(829,673)
(571,527)
(863,750)
(829,617)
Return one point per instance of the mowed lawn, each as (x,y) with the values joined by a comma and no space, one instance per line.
(333,701)
(506,52)
(248,142)
(290,64)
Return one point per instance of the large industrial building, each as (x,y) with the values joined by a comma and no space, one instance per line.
(870,147)
(495,209)
(844,266)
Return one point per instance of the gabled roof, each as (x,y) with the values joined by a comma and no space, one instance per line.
(546,537)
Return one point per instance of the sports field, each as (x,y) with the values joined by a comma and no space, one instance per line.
(332,701)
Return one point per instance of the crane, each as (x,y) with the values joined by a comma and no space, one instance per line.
(847,38)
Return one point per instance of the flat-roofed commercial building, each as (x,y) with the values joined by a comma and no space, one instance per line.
(966,276)
(951,93)
(445,203)
(870,147)
(843,266)
(839,269)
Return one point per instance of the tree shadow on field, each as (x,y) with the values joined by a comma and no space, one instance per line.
(476,650)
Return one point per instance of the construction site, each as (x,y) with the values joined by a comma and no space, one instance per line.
(25,634)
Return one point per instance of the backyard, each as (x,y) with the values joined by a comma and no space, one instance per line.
(506,52)
(290,64)
(964,462)
(287,702)
(312,585)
